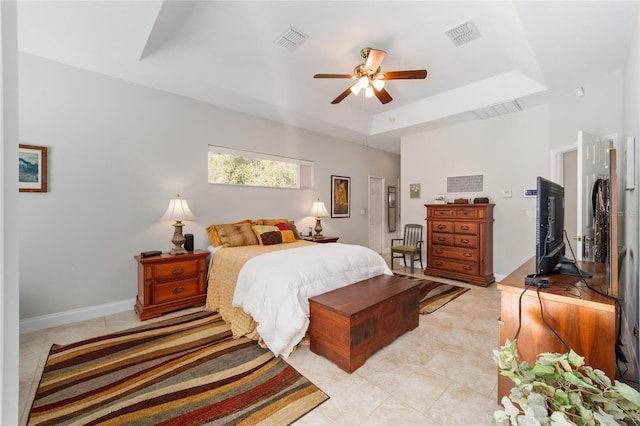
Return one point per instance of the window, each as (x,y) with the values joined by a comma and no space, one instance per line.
(235,167)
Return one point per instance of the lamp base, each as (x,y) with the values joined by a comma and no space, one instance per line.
(178,239)
(318,229)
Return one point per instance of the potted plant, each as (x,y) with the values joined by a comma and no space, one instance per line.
(560,390)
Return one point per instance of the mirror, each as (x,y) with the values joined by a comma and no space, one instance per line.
(391,208)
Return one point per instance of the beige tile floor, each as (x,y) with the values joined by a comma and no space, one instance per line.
(440,373)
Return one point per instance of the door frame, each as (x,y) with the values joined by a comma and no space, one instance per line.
(383,215)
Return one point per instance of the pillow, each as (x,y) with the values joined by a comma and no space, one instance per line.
(267,234)
(236,235)
(287,233)
(291,224)
(213,233)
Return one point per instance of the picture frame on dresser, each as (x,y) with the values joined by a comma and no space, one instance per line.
(340,196)
(32,168)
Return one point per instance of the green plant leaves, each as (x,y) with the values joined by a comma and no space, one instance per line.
(560,390)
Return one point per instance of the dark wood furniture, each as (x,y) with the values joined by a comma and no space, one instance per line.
(410,245)
(351,323)
(583,318)
(324,239)
(460,242)
(169,282)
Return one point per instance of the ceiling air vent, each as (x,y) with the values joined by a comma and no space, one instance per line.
(291,39)
(463,33)
(496,110)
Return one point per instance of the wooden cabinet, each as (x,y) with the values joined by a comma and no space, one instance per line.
(460,242)
(170,282)
(583,318)
(349,324)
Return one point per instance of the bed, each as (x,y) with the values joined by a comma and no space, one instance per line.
(262,289)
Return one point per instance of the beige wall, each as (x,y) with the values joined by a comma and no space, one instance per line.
(120,151)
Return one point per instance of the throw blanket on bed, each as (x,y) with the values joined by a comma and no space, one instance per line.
(274,288)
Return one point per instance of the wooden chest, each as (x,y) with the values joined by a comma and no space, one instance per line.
(460,242)
(351,323)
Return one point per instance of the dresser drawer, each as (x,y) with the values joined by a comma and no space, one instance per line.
(453,266)
(437,226)
(440,212)
(466,254)
(466,228)
(442,239)
(463,240)
(176,270)
(175,290)
(461,213)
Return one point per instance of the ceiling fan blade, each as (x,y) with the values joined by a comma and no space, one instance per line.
(342,95)
(334,76)
(403,75)
(374,59)
(382,95)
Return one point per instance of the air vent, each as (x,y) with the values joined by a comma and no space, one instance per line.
(496,110)
(463,33)
(291,39)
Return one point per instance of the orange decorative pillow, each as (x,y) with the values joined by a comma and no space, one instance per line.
(287,233)
(213,232)
(267,234)
(236,235)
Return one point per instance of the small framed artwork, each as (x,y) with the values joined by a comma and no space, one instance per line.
(340,196)
(32,168)
(414,190)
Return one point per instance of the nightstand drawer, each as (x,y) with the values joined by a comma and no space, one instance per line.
(175,290)
(176,270)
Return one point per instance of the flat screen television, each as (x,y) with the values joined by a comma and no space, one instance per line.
(550,245)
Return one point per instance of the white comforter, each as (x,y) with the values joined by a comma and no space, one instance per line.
(274,288)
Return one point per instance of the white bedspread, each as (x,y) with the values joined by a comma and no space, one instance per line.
(274,288)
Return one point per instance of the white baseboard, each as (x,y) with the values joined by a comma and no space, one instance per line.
(67,317)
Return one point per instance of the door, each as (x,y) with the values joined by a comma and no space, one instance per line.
(377,206)
(592,165)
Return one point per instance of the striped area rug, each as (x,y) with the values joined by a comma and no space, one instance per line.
(434,295)
(183,371)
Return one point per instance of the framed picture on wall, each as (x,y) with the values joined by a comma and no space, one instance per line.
(340,196)
(414,190)
(32,168)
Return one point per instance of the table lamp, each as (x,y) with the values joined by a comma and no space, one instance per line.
(178,210)
(318,210)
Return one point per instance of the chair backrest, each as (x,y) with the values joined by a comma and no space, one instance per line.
(412,234)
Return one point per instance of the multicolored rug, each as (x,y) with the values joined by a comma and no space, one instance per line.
(183,371)
(434,295)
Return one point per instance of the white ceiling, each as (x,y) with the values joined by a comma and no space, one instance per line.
(223,53)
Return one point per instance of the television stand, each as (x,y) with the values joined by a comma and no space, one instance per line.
(567,266)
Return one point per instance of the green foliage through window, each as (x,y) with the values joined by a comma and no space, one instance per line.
(233,167)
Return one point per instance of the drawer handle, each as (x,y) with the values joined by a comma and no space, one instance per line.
(439,251)
(464,241)
(442,226)
(467,255)
(442,239)
(467,268)
(464,213)
(437,263)
(178,271)
(177,290)
(464,227)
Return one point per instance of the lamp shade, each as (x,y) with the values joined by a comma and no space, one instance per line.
(319,210)
(178,210)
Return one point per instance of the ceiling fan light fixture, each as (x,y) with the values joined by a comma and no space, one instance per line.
(363,82)
(378,84)
(368,92)
(355,89)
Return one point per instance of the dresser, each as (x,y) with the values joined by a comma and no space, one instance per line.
(169,282)
(460,242)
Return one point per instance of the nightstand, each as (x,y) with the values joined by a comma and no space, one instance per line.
(170,282)
(323,239)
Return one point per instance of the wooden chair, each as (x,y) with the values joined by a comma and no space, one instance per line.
(410,245)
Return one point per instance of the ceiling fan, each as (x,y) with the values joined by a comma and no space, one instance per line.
(370,78)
